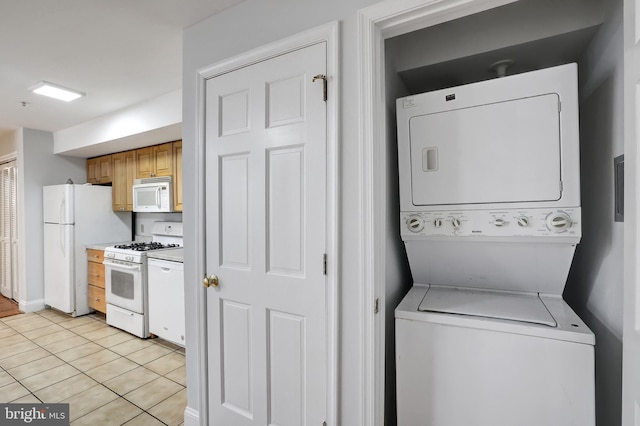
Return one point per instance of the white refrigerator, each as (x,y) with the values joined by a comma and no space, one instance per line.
(75,216)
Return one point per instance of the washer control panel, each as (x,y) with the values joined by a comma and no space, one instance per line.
(493,223)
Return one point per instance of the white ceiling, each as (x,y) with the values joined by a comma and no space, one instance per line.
(118,52)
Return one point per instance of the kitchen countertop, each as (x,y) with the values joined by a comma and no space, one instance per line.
(173,255)
(101,246)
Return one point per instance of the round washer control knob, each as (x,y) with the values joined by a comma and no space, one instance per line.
(523,221)
(437,223)
(499,222)
(558,221)
(456,223)
(415,223)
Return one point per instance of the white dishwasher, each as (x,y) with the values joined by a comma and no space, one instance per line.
(166,300)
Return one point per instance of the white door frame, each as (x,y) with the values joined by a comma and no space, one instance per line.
(328,33)
(376,23)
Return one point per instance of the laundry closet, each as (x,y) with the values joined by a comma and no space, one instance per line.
(517,38)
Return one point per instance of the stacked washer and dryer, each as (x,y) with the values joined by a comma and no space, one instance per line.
(490,219)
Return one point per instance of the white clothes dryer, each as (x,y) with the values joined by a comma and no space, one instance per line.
(490,218)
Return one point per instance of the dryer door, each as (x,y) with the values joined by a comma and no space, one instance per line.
(491,153)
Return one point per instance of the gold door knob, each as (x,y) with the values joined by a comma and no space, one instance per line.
(210,281)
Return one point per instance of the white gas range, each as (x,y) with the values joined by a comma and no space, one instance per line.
(126,284)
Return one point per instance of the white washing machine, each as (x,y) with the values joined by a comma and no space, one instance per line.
(490,218)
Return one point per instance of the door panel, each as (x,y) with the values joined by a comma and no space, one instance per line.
(266,233)
(631,331)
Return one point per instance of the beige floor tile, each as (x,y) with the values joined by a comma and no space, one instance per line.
(131,346)
(166,344)
(144,419)
(54,337)
(79,351)
(111,369)
(131,380)
(27,399)
(66,344)
(100,333)
(149,354)
(179,375)
(89,326)
(88,401)
(94,360)
(13,340)
(152,393)
(116,412)
(12,391)
(49,377)
(43,331)
(34,367)
(29,323)
(7,331)
(23,358)
(54,316)
(66,388)
(5,378)
(171,410)
(11,350)
(77,322)
(114,339)
(167,363)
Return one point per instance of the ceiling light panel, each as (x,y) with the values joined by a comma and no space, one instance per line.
(56,91)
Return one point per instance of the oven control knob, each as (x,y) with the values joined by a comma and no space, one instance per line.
(456,223)
(437,223)
(523,221)
(499,222)
(129,258)
(415,223)
(558,222)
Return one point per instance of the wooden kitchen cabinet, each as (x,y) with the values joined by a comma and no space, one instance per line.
(154,161)
(177,176)
(95,280)
(99,170)
(124,172)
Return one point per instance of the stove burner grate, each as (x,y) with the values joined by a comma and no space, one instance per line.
(145,246)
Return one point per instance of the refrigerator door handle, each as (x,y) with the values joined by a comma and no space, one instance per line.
(61,215)
(62,245)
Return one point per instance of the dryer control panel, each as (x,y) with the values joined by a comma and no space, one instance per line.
(535,223)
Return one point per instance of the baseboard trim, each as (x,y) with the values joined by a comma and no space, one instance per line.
(191,417)
(31,306)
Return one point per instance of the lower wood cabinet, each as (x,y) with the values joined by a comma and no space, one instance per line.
(95,280)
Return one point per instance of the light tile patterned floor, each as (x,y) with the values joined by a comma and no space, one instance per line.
(107,376)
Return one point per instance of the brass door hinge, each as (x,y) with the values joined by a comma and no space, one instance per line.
(324,264)
(324,84)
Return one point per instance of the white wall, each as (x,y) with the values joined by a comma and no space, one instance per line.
(248,25)
(151,122)
(509,25)
(8,144)
(595,286)
(37,166)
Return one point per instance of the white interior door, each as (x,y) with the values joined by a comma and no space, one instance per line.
(8,231)
(266,237)
(631,338)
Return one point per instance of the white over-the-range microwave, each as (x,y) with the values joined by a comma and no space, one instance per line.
(153,195)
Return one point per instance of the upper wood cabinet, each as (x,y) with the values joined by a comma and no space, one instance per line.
(154,161)
(177,176)
(124,172)
(99,170)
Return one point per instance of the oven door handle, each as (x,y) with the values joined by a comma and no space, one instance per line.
(119,266)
